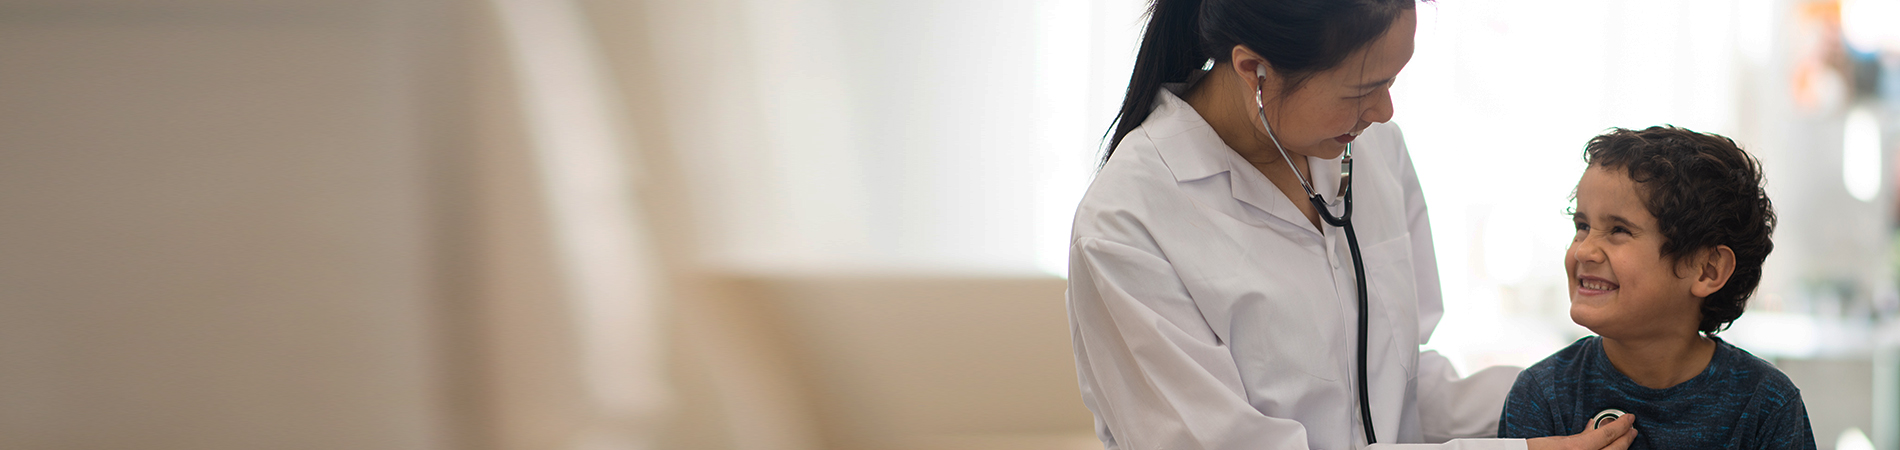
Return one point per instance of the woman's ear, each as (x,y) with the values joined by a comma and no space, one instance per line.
(1253,68)
(1712,270)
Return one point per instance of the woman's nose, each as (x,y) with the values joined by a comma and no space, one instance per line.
(1380,111)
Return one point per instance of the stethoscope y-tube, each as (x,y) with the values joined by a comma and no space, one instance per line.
(1344,221)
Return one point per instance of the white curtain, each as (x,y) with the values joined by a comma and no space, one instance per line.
(606,281)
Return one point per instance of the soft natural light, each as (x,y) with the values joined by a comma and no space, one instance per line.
(1860,154)
(1853,439)
(1085,50)
(1868,24)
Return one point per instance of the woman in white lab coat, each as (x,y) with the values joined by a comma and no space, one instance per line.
(1210,306)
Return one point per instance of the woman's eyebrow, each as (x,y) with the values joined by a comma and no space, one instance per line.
(1375,83)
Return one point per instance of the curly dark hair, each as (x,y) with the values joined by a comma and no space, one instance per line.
(1704,191)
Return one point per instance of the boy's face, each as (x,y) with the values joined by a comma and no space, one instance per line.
(1620,284)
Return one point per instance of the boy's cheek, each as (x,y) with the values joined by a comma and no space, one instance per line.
(1589,315)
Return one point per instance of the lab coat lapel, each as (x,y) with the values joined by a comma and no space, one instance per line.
(1193,152)
(1253,188)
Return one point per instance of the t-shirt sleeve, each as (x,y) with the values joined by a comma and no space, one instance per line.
(1788,429)
(1525,414)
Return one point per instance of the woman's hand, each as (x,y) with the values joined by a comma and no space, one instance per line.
(1615,435)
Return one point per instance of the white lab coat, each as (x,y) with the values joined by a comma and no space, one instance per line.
(1207,312)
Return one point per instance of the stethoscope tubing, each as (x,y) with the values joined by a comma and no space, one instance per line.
(1344,222)
(1359,274)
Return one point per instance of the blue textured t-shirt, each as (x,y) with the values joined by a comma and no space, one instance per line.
(1738,402)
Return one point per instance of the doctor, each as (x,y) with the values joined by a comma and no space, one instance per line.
(1212,305)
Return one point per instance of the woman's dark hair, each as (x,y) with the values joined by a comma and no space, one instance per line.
(1299,38)
(1704,192)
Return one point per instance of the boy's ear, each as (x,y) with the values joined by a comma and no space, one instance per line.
(1712,270)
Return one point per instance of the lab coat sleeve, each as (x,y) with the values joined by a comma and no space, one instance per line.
(1461,444)
(1150,367)
(1449,407)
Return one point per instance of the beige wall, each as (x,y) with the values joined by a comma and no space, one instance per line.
(215,227)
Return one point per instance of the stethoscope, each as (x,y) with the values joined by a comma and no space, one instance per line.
(1352,240)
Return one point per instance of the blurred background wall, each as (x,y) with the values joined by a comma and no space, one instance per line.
(788,224)
(219,226)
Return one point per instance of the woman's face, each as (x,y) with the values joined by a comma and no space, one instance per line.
(1330,109)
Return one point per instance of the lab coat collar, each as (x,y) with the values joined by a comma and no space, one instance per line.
(1186,142)
(1192,151)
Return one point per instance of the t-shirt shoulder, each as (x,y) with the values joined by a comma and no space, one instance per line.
(1770,384)
(1565,360)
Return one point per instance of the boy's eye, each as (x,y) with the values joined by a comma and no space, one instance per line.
(1622,230)
(1583,226)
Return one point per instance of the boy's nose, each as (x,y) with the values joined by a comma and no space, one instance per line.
(1586,251)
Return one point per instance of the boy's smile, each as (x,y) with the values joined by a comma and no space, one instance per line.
(1621,286)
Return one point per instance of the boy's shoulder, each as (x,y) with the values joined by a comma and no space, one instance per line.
(1570,359)
(1742,369)
(1735,366)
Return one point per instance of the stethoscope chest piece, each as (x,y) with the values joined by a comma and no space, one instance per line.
(1603,417)
(1345,174)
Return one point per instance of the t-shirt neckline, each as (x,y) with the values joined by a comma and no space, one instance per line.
(1601,363)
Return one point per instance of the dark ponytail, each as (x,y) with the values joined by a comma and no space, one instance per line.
(1170,51)
(1299,38)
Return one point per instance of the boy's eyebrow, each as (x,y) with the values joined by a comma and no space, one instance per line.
(1623,221)
(1578,214)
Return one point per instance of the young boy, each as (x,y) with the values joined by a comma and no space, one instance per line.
(1672,227)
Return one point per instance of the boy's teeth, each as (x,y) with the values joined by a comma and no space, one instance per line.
(1596,285)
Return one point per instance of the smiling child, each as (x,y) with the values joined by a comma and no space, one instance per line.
(1672,228)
